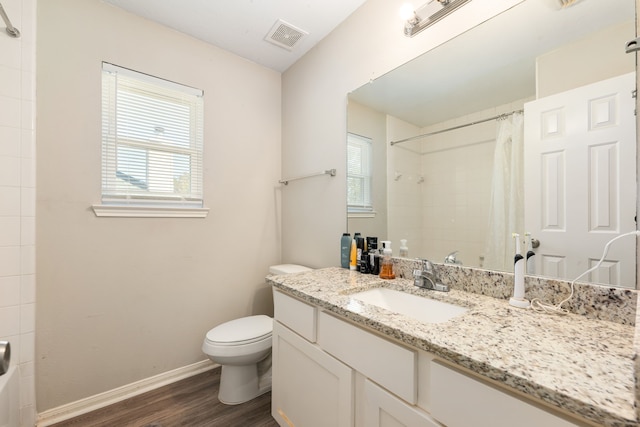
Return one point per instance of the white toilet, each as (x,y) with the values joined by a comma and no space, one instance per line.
(243,348)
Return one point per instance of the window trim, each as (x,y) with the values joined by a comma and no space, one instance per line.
(153,206)
(122,211)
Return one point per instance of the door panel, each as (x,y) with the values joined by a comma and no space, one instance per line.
(580,170)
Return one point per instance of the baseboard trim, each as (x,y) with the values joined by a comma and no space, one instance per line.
(80,407)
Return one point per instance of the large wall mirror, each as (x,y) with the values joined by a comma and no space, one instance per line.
(524,124)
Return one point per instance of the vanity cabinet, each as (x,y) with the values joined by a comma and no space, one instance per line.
(315,360)
(320,360)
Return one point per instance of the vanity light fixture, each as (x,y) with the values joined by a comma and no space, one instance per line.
(428,14)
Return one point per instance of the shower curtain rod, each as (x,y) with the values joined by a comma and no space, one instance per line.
(392,143)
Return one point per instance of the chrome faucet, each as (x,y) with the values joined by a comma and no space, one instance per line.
(427,278)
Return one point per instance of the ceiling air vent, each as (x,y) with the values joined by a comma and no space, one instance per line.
(285,35)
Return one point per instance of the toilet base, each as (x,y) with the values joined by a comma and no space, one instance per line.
(239,384)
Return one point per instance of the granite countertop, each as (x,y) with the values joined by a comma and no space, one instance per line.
(582,365)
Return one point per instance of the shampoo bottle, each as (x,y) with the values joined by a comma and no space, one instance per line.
(386,269)
(353,262)
(345,250)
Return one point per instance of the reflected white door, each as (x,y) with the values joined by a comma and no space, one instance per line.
(580,170)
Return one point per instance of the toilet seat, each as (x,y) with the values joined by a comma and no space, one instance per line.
(245,330)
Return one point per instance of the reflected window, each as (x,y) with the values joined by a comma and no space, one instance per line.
(359,156)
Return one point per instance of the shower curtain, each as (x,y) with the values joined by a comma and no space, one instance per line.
(506,210)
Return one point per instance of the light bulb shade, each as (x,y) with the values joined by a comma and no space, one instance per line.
(406,11)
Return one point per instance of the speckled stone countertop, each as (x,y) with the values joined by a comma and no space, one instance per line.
(582,365)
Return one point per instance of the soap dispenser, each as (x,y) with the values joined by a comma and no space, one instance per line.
(404,250)
(386,269)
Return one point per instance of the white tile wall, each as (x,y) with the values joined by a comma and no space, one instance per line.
(457,189)
(404,201)
(17,198)
(10,293)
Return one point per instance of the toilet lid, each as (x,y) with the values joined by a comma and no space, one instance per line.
(243,330)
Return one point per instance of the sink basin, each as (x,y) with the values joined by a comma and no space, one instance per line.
(420,308)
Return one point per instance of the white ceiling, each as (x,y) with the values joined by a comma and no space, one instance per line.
(240,26)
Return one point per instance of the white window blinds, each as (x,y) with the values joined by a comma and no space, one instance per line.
(152,140)
(359,153)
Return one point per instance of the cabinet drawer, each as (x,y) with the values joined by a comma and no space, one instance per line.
(295,314)
(483,404)
(388,364)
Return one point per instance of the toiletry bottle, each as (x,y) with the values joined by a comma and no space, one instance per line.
(386,269)
(353,263)
(372,244)
(375,264)
(372,247)
(345,250)
(364,263)
(359,248)
(404,250)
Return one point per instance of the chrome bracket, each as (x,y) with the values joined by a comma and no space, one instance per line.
(632,46)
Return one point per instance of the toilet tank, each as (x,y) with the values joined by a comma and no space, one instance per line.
(287,269)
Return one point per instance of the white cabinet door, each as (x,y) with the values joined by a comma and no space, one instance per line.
(580,152)
(382,409)
(310,388)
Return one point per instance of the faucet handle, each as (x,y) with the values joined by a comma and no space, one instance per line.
(452,258)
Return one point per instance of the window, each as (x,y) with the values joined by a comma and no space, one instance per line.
(359,153)
(152,144)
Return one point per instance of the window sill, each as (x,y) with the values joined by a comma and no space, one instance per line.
(148,212)
(370,214)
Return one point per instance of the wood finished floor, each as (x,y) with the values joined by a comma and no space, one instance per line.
(191,402)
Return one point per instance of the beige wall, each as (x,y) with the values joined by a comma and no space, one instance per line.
(586,61)
(314,96)
(122,299)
